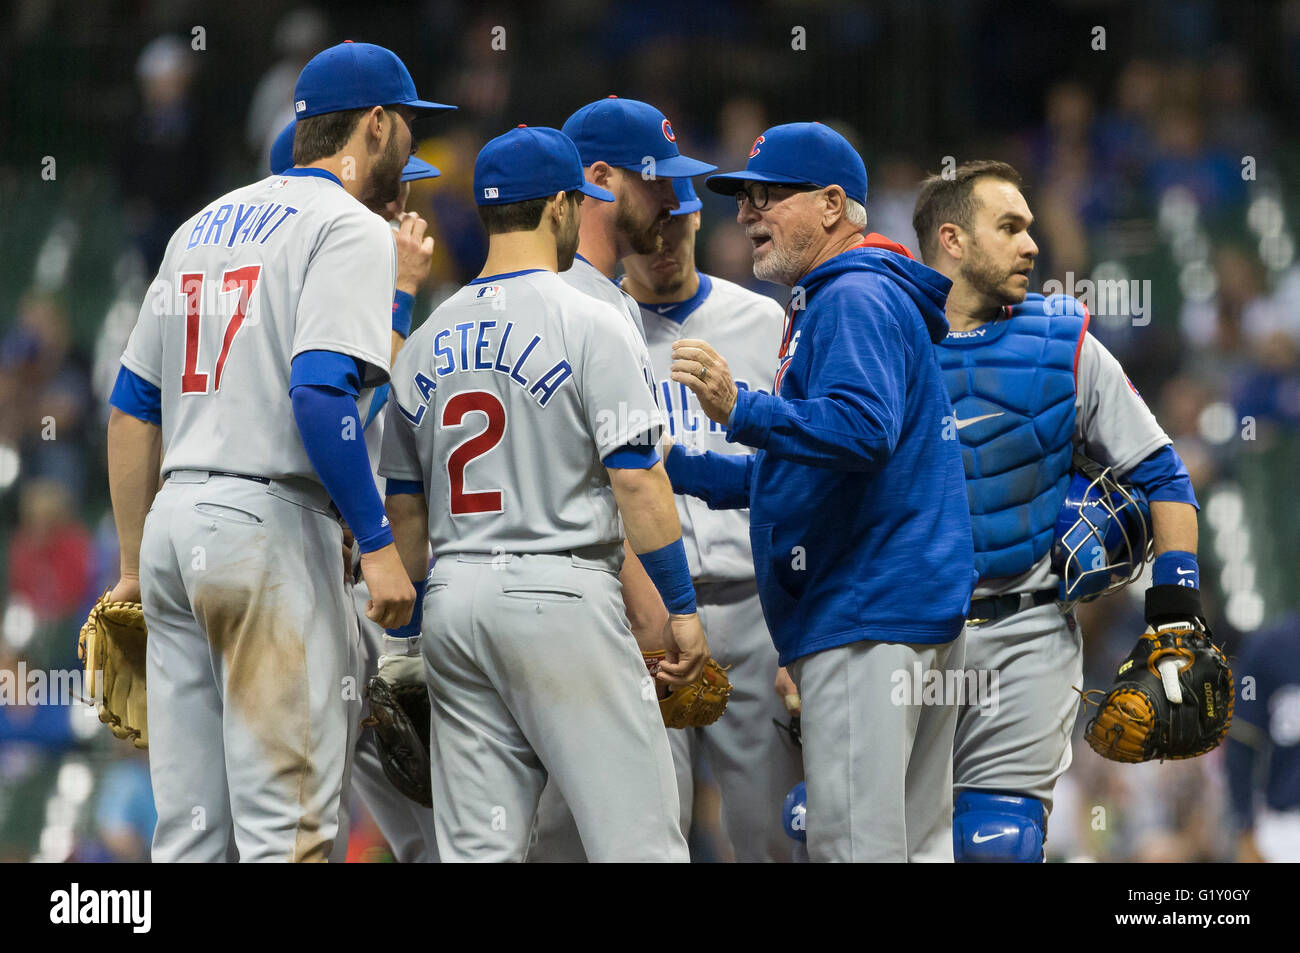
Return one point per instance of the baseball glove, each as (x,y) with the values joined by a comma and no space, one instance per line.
(700,703)
(1172,698)
(399,713)
(112,644)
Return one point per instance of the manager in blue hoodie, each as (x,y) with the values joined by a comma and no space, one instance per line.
(859,522)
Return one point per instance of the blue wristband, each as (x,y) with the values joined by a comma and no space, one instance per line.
(1176,568)
(403,305)
(412,628)
(671,573)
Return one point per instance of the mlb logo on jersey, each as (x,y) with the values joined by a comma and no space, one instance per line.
(490,193)
(488,291)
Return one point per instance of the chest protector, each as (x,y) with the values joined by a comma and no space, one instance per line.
(1012,387)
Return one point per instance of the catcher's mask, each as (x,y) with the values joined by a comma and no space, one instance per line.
(1103,537)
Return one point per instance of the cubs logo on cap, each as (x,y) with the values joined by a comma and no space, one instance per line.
(628,133)
(799,153)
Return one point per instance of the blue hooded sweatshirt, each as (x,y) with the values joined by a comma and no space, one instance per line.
(858,514)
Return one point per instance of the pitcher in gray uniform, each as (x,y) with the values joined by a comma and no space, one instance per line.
(753,761)
(406,825)
(628,147)
(1030,387)
(247,373)
(519,431)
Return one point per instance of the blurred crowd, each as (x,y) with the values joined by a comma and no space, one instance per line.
(1163,164)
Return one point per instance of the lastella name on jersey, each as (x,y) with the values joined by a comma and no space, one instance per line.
(541,388)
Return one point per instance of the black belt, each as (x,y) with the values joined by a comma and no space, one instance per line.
(265,481)
(999,607)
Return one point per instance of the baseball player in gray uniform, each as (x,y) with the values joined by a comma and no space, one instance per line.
(1030,387)
(629,148)
(244,384)
(407,826)
(755,764)
(520,430)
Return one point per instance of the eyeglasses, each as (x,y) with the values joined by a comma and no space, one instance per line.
(760,194)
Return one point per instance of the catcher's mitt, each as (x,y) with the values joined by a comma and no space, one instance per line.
(399,713)
(700,703)
(1172,698)
(112,643)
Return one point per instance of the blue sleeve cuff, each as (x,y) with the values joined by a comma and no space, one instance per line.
(750,421)
(671,573)
(632,457)
(402,487)
(1162,476)
(403,305)
(326,369)
(134,395)
(412,628)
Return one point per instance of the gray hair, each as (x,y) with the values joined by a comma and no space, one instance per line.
(855,213)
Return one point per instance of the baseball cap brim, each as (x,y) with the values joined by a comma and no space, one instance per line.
(729,183)
(675,167)
(416,169)
(686,208)
(420,105)
(596,192)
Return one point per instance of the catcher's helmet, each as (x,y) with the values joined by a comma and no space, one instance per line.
(1103,537)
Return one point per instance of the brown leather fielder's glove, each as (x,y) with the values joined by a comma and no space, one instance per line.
(700,703)
(112,644)
(399,713)
(1172,698)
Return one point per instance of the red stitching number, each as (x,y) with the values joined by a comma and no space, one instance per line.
(242,280)
(464,503)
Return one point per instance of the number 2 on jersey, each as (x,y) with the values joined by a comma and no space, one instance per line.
(463,502)
(243,280)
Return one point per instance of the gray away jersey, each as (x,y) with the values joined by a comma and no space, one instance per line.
(1112,426)
(588,279)
(503,405)
(285,265)
(745,328)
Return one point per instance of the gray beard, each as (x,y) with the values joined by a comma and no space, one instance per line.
(784,265)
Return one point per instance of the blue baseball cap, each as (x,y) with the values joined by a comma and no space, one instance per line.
(688,201)
(530,162)
(355,76)
(799,153)
(624,132)
(282,158)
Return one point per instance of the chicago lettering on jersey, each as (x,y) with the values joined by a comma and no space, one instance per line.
(230,225)
(682,409)
(485,346)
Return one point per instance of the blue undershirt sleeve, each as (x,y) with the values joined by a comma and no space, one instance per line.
(134,395)
(322,389)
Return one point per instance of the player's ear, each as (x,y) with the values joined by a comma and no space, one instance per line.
(835,207)
(374,122)
(599,173)
(555,211)
(952,240)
